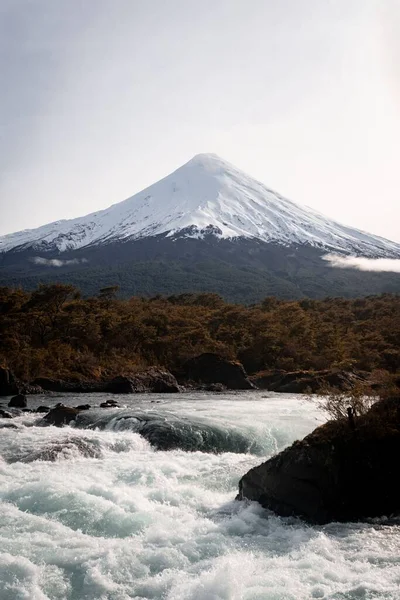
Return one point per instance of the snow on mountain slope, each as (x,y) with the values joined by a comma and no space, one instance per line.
(206,191)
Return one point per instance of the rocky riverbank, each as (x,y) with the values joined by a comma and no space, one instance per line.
(208,371)
(342,471)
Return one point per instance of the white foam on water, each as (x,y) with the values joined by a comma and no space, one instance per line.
(110,518)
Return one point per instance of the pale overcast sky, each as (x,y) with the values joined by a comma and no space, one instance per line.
(100,98)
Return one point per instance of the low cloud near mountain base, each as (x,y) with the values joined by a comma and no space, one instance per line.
(390,265)
(55,262)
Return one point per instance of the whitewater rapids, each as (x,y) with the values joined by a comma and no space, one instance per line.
(99,512)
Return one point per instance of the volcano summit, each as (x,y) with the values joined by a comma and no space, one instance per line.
(205,227)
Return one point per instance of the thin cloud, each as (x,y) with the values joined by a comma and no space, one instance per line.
(55,262)
(388,265)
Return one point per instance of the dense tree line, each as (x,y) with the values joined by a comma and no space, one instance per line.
(242,272)
(54,332)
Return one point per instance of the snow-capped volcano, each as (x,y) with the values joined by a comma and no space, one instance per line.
(206,195)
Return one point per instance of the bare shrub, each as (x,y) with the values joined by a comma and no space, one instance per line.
(360,398)
(335,404)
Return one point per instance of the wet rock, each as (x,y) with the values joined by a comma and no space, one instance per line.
(83,407)
(109,404)
(43,409)
(64,448)
(18,401)
(8,425)
(61,415)
(190,435)
(4,414)
(211,368)
(335,473)
(9,384)
(152,380)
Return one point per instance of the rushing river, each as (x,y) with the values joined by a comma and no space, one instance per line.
(99,512)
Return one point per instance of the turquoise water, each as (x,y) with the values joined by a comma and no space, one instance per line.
(95,512)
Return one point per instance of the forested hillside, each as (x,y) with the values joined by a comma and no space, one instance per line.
(242,271)
(53,331)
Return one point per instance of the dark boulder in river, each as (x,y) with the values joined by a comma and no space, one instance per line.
(61,415)
(211,368)
(335,473)
(4,414)
(109,404)
(152,380)
(18,401)
(167,431)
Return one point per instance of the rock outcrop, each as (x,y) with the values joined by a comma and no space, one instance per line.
(152,380)
(4,414)
(335,473)
(18,401)
(303,382)
(207,371)
(109,404)
(211,368)
(61,415)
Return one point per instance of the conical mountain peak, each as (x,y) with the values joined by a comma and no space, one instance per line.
(205,158)
(207,194)
(208,159)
